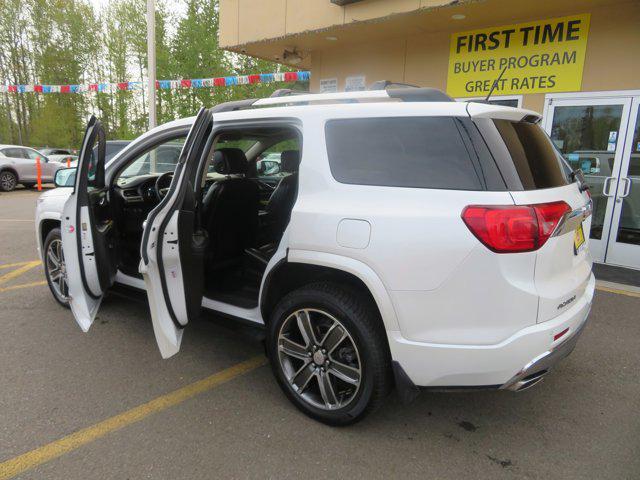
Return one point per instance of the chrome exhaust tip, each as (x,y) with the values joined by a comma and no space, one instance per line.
(527,382)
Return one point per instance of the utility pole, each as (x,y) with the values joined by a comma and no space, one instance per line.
(151,61)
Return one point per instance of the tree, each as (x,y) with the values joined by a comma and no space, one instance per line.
(57,42)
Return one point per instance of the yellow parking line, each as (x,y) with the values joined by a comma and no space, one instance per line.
(13,265)
(29,460)
(22,285)
(18,271)
(618,291)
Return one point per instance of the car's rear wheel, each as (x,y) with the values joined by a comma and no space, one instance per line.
(55,268)
(329,353)
(8,180)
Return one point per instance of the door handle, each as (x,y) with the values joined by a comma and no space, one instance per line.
(627,187)
(606,186)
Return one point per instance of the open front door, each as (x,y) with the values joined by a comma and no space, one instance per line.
(173,246)
(88,233)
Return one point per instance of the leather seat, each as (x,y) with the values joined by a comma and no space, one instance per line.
(284,196)
(230,210)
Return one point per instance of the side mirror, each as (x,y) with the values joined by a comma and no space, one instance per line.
(65,177)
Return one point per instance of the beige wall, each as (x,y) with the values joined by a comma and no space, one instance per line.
(612,61)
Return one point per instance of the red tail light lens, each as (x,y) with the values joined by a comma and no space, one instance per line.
(514,228)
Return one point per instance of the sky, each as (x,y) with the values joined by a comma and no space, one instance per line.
(177,7)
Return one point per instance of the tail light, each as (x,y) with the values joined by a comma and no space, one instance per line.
(514,228)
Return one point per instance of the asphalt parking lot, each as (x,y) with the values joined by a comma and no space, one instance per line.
(105,405)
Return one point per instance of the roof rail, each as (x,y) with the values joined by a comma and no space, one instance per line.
(233,105)
(284,97)
(421,94)
(335,97)
(384,84)
(285,92)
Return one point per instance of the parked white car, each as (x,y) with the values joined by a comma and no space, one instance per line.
(18,166)
(415,241)
(64,159)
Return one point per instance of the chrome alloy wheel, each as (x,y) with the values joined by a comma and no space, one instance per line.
(57,270)
(319,359)
(7,181)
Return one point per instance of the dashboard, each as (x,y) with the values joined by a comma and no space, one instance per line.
(142,188)
(138,189)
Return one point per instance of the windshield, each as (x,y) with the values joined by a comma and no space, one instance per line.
(162,159)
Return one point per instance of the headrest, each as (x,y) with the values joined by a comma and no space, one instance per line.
(289,160)
(230,161)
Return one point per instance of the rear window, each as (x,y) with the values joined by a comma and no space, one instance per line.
(537,162)
(417,152)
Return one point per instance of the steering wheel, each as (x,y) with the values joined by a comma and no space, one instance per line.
(163,182)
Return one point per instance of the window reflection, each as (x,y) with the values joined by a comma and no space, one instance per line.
(587,137)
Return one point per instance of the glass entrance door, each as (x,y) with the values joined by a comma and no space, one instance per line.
(594,134)
(624,244)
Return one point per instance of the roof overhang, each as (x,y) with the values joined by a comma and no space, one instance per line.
(365,21)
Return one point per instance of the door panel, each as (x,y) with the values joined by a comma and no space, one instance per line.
(29,162)
(624,245)
(49,170)
(172,249)
(88,234)
(26,168)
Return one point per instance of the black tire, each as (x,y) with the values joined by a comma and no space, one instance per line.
(362,321)
(53,236)
(8,180)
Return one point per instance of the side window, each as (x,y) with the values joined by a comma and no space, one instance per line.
(93,166)
(538,163)
(414,152)
(30,154)
(269,164)
(14,153)
(160,159)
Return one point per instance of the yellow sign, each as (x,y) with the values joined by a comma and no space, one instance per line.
(537,57)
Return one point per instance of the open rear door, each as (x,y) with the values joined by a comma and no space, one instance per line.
(88,233)
(173,246)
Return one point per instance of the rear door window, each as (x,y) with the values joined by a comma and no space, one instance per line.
(536,160)
(415,152)
(14,153)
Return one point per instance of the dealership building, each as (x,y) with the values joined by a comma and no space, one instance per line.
(576,62)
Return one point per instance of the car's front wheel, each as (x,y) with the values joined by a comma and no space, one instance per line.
(329,353)
(55,268)
(8,180)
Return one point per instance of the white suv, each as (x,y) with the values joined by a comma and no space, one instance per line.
(408,240)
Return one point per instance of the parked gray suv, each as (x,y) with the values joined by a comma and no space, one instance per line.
(18,165)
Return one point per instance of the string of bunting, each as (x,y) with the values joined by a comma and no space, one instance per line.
(161,84)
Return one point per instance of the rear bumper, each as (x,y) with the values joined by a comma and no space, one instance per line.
(537,368)
(519,358)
